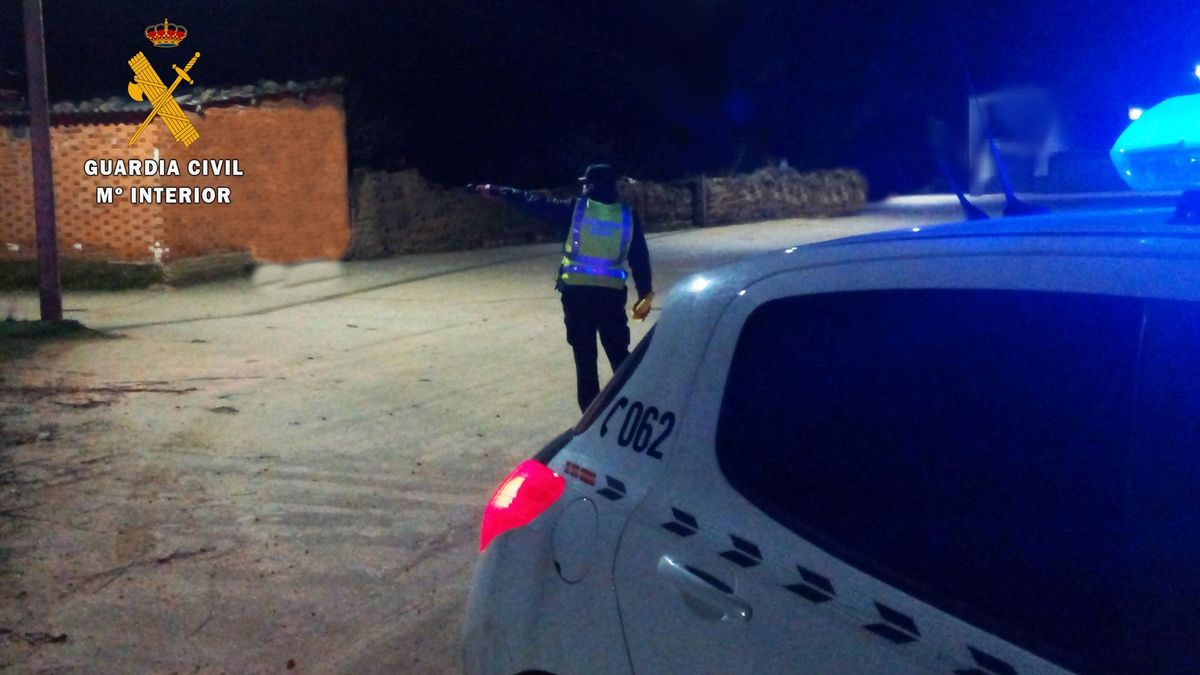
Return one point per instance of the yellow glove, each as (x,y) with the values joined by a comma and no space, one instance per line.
(641,308)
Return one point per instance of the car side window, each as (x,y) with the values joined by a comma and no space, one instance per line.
(1162,548)
(967,446)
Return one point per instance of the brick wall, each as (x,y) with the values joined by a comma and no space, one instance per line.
(292,203)
(119,231)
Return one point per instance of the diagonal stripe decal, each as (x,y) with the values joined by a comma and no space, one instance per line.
(892,624)
(813,587)
(683,523)
(988,664)
(895,627)
(743,553)
(613,490)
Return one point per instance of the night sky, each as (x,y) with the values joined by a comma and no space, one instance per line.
(526,92)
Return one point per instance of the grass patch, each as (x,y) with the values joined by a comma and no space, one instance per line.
(82,275)
(19,339)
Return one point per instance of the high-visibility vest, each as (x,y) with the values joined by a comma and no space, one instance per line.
(597,245)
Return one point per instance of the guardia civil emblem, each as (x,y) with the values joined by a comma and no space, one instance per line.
(147,85)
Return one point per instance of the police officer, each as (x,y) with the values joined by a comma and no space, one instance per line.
(602,236)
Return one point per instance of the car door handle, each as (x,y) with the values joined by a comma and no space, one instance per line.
(703,593)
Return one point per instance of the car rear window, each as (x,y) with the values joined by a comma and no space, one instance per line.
(1162,547)
(970,447)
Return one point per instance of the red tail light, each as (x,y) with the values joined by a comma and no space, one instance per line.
(528,491)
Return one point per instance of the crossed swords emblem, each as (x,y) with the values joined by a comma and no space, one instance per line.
(147,84)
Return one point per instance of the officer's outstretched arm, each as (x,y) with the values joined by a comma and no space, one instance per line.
(550,209)
(489,190)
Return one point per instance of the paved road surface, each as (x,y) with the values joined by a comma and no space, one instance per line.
(291,472)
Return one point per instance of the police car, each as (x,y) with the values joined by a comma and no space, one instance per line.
(971,448)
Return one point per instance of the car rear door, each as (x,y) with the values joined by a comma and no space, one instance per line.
(892,482)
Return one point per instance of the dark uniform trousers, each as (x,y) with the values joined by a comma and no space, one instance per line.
(588,311)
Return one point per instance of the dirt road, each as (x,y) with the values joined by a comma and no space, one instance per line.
(288,475)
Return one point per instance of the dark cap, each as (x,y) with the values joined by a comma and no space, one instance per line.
(600,174)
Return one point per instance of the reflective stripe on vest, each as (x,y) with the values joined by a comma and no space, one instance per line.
(597,245)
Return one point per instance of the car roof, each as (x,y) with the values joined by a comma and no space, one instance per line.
(1145,232)
(1077,242)
(1123,252)
(1132,223)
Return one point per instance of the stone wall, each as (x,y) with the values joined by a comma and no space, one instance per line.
(777,193)
(401,212)
(661,206)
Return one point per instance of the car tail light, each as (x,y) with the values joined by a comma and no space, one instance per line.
(527,492)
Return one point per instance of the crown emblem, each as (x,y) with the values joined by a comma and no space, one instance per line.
(166,34)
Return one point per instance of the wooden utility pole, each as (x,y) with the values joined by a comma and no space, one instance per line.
(43,173)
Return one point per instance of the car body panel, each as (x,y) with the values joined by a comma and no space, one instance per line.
(807,608)
(522,615)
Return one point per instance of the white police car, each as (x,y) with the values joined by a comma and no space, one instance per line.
(971,449)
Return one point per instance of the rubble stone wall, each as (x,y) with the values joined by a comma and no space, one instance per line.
(775,193)
(402,212)
(661,206)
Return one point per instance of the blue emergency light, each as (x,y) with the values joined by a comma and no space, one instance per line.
(1160,150)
